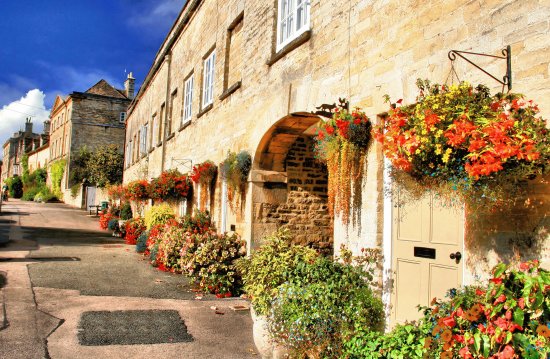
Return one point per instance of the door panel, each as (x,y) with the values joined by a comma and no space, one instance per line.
(425,234)
(408,293)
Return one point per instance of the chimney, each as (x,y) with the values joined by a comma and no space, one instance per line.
(47,127)
(129,86)
(28,126)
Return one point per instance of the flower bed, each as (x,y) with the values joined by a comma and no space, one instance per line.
(465,143)
(134,228)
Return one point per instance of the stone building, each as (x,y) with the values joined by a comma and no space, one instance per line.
(238,75)
(21,143)
(90,119)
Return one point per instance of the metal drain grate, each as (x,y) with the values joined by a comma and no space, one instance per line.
(132,327)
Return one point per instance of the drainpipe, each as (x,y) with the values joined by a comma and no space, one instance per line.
(167,107)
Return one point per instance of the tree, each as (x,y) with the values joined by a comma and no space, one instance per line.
(80,171)
(105,166)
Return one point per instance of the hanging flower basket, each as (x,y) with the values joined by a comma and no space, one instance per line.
(465,144)
(170,186)
(342,142)
(137,191)
(203,174)
(234,170)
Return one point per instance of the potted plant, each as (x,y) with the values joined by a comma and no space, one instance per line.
(262,273)
(234,170)
(465,144)
(203,174)
(342,142)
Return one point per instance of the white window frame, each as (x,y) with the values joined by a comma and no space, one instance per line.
(122,117)
(154,130)
(288,13)
(143,148)
(208,79)
(188,100)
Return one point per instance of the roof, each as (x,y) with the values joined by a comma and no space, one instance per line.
(103,88)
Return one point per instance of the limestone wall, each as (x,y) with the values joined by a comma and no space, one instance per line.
(360,50)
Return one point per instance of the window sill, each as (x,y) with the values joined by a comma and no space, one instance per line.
(152,149)
(184,125)
(230,90)
(297,42)
(143,155)
(159,143)
(170,136)
(205,110)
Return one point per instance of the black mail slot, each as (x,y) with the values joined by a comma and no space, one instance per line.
(424,252)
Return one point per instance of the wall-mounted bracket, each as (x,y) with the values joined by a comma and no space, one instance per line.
(506,55)
(326,110)
(184,162)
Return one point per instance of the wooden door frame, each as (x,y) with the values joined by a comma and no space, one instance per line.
(387,248)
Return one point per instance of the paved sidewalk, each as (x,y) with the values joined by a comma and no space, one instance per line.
(58,265)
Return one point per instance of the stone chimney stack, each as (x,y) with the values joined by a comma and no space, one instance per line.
(47,127)
(129,86)
(28,126)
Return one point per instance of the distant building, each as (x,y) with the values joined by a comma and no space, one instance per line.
(93,118)
(21,143)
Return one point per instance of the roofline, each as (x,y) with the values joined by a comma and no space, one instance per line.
(176,29)
(78,94)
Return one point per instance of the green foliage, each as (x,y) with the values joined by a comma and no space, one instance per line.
(158,214)
(264,271)
(45,195)
(173,240)
(105,166)
(25,165)
(80,163)
(235,169)
(126,211)
(319,303)
(57,169)
(141,243)
(15,186)
(39,176)
(113,224)
(209,259)
(31,192)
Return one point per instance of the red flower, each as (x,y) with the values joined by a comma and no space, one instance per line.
(329,129)
(507,353)
(500,299)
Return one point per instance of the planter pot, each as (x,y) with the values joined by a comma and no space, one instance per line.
(266,348)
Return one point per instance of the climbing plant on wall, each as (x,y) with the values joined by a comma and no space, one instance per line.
(343,142)
(57,169)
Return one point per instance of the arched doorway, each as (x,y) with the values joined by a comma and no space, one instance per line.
(290,186)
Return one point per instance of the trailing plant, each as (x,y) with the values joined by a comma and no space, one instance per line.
(134,228)
(319,302)
(170,186)
(465,144)
(116,192)
(263,272)
(234,170)
(158,214)
(343,142)
(57,169)
(203,174)
(137,191)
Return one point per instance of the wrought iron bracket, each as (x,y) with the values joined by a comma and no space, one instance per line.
(184,162)
(506,55)
(325,110)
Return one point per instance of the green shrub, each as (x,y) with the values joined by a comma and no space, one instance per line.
(31,192)
(15,186)
(158,214)
(113,224)
(45,195)
(319,303)
(209,259)
(509,317)
(264,271)
(57,169)
(75,189)
(126,211)
(141,243)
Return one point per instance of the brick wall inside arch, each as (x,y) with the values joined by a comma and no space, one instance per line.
(305,211)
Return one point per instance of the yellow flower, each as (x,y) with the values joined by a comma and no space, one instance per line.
(447,155)
(424,132)
(438,149)
(417,151)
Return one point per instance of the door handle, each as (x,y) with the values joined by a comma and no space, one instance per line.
(456,256)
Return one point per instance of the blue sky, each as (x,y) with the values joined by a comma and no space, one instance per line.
(60,46)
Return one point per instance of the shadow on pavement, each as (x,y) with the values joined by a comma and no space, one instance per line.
(41,259)
(66,236)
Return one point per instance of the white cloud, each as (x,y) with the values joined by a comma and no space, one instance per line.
(161,12)
(13,115)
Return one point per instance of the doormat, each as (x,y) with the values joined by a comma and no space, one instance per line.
(128,327)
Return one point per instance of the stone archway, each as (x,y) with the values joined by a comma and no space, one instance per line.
(289,187)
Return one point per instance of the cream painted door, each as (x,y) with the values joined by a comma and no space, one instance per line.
(427,241)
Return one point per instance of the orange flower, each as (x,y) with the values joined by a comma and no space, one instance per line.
(543,331)
(447,355)
(447,335)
